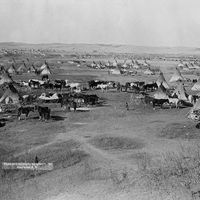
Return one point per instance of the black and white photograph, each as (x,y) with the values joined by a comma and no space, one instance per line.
(99,99)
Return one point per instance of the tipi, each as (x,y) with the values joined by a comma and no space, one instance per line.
(161,93)
(46,71)
(181,92)
(22,68)
(176,76)
(196,86)
(149,72)
(10,94)
(192,114)
(115,71)
(5,78)
(11,69)
(161,80)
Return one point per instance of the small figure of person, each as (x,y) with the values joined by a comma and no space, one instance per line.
(127,106)
(118,87)
(36,159)
(68,107)
(74,106)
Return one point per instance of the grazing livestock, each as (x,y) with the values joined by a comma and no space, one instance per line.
(174,101)
(47,85)
(60,84)
(34,84)
(25,111)
(44,112)
(151,87)
(103,87)
(159,102)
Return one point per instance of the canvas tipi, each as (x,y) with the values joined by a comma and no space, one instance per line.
(46,71)
(180,91)
(149,72)
(195,111)
(176,76)
(22,68)
(5,78)
(11,69)
(161,80)
(161,93)
(196,86)
(10,95)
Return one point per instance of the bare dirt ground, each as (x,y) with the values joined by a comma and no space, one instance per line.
(97,154)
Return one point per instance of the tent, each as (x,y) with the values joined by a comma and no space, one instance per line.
(115,71)
(149,72)
(161,93)
(10,94)
(44,96)
(45,70)
(22,68)
(193,66)
(176,76)
(186,68)
(181,65)
(135,66)
(194,111)
(11,69)
(5,78)
(43,66)
(161,80)
(181,92)
(196,86)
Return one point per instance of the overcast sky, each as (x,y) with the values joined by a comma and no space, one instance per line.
(136,22)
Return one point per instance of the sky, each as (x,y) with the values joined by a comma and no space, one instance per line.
(131,22)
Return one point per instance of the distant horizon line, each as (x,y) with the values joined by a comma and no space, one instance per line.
(105,44)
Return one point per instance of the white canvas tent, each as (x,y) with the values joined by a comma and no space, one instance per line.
(181,92)
(11,69)
(181,65)
(5,78)
(196,86)
(45,71)
(115,71)
(22,68)
(149,72)
(161,80)
(161,93)
(10,95)
(176,76)
(192,114)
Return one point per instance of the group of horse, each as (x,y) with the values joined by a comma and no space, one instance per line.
(66,100)
(44,112)
(47,84)
(135,86)
(145,89)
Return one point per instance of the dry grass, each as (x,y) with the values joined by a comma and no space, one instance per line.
(174,172)
(116,143)
(180,130)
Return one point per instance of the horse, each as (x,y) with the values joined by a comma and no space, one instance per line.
(25,111)
(44,112)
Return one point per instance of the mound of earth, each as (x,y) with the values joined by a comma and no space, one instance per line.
(62,154)
(116,143)
(180,130)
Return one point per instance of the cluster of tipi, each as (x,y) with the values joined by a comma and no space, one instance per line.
(23,68)
(11,94)
(163,86)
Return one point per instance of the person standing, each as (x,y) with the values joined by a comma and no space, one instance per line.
(127,106)
(74,106)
